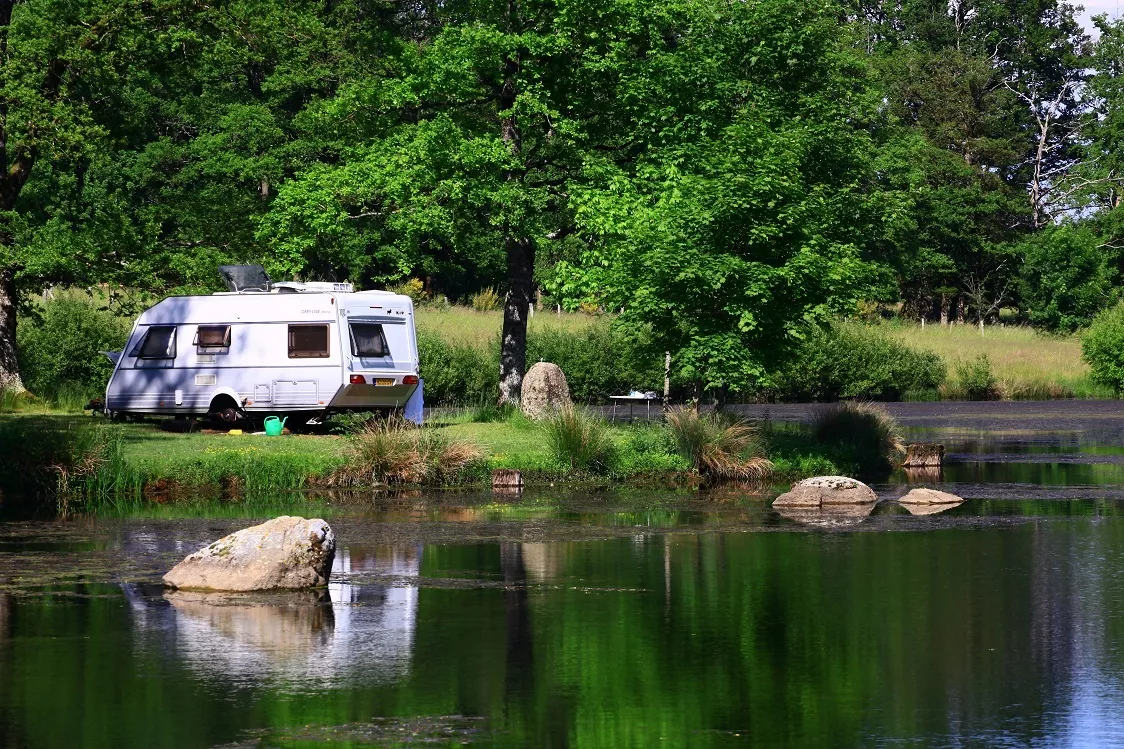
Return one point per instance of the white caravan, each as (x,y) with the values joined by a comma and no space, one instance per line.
(298,349)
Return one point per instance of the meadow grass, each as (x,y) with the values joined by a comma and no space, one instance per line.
(1027,363)
(465,325)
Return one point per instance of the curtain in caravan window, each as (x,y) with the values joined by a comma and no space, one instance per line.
(368,340)
(212,336)
(308,341)
(158,343)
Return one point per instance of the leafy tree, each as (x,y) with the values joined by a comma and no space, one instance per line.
(737,227)
(56,65)
(484,137)
(1066,277)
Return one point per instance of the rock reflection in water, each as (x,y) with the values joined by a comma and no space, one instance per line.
(922,509)
(349,633)
(828,515)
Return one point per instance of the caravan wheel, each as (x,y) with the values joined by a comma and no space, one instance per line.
(224,412)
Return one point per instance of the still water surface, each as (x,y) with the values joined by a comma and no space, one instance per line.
(629,618)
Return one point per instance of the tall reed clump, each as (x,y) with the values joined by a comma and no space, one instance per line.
(394,451)
(580,440)
(861,435)
(718,448)
(46,456)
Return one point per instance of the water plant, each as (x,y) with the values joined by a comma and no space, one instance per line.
(718,447)
(395,451)
(860,434)
(579,439)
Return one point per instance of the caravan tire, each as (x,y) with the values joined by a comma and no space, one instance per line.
(224,412)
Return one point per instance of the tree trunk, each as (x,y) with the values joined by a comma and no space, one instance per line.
(9,365)
(520,291)
(520,249)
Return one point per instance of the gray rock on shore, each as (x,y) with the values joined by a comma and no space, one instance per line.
(544,390)
(283,553)
(826,490)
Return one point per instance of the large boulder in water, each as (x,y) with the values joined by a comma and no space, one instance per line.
(544,390)
(826,490)
(925,496)
(286,552)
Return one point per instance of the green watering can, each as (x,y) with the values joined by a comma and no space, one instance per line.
(274,425)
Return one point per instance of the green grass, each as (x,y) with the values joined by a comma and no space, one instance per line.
(465,325)
(150,465)
(1027,363)
(258,462)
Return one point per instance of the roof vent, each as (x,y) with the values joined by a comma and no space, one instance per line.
(241,278)
(309,287)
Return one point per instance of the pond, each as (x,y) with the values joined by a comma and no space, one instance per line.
(617,618)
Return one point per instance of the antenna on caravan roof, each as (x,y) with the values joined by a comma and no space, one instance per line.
(241,278)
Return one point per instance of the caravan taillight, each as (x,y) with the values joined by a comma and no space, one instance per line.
(410,380)
(358,380)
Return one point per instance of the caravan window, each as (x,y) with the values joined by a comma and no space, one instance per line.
(367,339)
(213,336)
(308,341)
(158,343)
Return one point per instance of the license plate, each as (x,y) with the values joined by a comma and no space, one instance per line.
(384,381)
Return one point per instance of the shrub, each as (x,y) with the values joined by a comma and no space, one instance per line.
(59,347)
(1102,347)
(438,302)
(975,380)
(598,362)
(1065,278)
(845,361)
(394,451)
(486,300)
(457,374)
(412,288)
(726,450)
(860,435)
(579,439)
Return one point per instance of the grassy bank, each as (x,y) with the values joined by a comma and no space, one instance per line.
(139,461)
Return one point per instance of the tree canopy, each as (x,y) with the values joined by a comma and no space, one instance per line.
(723,178)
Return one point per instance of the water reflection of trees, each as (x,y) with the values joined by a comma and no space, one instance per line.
(946,637)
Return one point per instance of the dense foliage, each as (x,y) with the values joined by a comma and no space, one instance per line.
(723,177)
(60,347)
(1103,348)
(847,361)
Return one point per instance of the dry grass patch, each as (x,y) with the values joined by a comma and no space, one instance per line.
(393,451)
(1027,364)
(717,448)
(463,325)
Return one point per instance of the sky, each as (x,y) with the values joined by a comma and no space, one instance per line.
(1096,7)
